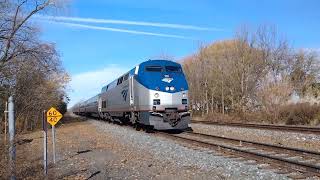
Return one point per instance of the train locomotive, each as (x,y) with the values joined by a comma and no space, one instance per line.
(153,94)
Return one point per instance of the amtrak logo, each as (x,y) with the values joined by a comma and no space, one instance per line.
(124,94)
(167,79)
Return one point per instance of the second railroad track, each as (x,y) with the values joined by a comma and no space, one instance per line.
(288,128)
(285,159)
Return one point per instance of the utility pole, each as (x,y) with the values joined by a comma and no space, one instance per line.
(12,149)
(45,144)
(5,122)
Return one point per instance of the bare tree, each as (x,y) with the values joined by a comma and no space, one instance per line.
(164,56)
(304,71)
(256,71)
(14,30)
(29,69)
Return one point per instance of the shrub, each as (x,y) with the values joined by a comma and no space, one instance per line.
(300,114)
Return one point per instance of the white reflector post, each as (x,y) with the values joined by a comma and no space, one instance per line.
(12,149)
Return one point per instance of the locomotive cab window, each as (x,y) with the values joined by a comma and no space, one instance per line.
(153,68)
(173,69)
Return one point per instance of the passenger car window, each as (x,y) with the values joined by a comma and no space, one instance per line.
(153,68)
(173,69)
(120,80)
(126,77)
(104,104)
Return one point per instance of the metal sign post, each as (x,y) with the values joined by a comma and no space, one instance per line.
(53,117)
(12,149)
(54,144)
(44,126)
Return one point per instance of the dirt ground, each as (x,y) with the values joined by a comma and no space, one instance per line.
(84,153)
(86,150)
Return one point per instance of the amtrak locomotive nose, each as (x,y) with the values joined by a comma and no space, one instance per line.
(154,93)
(165,76)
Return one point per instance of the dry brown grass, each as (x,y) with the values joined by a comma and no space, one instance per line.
(293,114)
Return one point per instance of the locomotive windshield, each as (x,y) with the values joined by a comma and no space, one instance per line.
(173,69)
(153,68)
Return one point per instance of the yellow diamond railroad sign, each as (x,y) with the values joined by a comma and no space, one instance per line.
(53,116)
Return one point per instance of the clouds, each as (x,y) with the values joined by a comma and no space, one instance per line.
(77,22)
(88,84)
(121,30)
(125,22)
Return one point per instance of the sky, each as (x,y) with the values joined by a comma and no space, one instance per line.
(99,40)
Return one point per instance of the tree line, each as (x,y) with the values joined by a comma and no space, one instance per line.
(30,69)
(255,71)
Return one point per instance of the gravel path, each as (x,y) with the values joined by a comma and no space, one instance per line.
(290,139)
(208,164)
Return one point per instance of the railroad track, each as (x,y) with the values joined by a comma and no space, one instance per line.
(300,129)
(284,160)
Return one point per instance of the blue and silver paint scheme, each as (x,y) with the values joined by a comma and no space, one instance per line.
(156,97)
(160,80)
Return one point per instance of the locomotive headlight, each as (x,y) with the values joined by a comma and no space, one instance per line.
(156,95)
(171,88)
(184,95)
(167,88)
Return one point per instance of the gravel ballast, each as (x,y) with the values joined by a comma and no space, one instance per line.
(289,139)
(210,164)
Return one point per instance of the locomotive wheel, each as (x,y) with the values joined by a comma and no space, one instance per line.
(148,129)
(137,126)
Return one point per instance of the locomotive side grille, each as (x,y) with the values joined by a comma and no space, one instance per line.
(168,110)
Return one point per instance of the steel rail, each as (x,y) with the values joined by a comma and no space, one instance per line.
(312,169)
(298,150)
(303,129)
